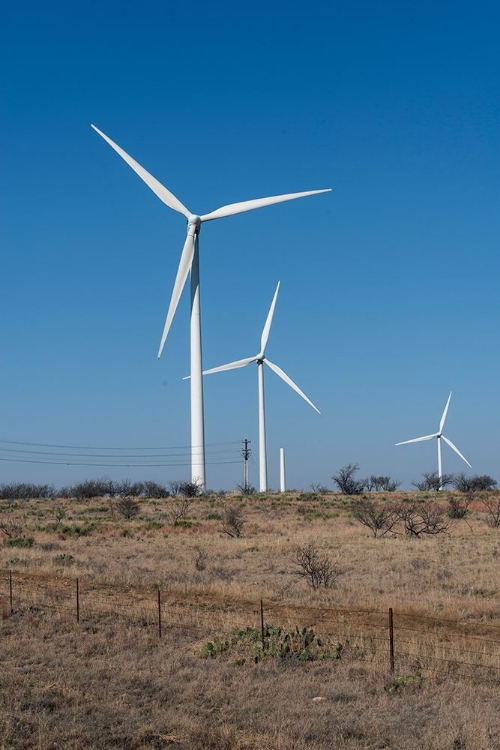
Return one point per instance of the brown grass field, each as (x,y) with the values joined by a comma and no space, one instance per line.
(110,681)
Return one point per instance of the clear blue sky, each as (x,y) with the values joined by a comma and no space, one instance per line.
(389,285)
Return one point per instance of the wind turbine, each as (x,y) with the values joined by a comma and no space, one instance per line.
(189,262)
(261,358)
(439,435)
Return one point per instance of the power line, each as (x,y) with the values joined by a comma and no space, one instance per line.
(107,448)
(129,464)
(108,455)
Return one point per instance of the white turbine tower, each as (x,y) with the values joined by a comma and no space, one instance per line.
(189,262)
(439,435)
(260,358)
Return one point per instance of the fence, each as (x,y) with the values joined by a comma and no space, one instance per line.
(402,642)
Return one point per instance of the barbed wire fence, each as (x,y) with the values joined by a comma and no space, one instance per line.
(395,642)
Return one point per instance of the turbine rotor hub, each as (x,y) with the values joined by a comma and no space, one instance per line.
(195,221)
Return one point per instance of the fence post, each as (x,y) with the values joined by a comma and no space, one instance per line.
(159,613)
(391,640)
(77,600)
(262,626)
(10,592)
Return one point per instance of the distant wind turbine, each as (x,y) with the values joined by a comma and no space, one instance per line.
(189,262)
(439,435)
(261,358)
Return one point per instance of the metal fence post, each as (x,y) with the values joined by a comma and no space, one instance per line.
(10,592)
(391,640)
(77,600)
(159,613)
(262,625)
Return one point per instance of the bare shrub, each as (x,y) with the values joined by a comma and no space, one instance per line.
(26,491)
(474,483)
(178,509)
(200,561)
(458,507)
(346,481)
(432,483)
(419,519)
(246,489)
(492,505)
(126,488)
(11,528)
(155,490)
(91,488)
(317,569)
(380,518)
(233,521)
(127,507)
(381,484)
(187,489)
(318,488)
(59,515)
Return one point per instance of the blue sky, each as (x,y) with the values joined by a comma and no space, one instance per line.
(389,284)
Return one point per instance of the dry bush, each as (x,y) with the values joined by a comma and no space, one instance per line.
(178,509)
(492,505)
(233,521)
(422,519)
(380,518)
(127,507)
(316,568)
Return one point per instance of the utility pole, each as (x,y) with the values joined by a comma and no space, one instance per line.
(245,452)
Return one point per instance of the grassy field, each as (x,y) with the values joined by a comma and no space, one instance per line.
(323,679)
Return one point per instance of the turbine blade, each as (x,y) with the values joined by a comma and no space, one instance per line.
(160,190)
(290,382)
(180,280)
(230,366)
(443,418)
(267,327)
(239,208)
(418,440)
(456,450)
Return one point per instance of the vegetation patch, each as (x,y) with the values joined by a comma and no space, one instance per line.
(301,644)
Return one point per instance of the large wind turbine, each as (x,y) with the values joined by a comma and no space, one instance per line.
(189,262)
(439,435)
(260,358)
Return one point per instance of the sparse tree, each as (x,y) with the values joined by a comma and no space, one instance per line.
(381,484)
(474,483)
(188,489)
(346,482)
(380,518)
(432,483)
(155,490)
(316,568)
(422,518)
(91,488)
(178,509)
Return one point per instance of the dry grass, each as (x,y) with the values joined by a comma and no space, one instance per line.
(109,681)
